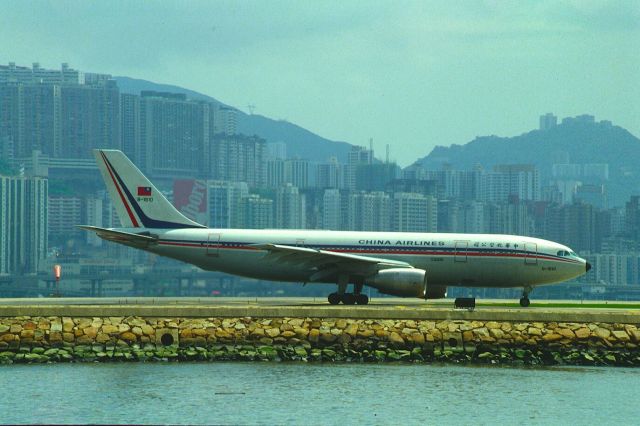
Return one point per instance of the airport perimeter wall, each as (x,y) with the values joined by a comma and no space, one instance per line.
(78,338)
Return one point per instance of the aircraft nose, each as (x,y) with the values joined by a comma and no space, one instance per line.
(588,266)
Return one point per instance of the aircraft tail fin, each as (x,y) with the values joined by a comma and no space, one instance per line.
(138,203)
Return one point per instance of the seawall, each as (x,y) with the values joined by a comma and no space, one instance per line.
(56,333)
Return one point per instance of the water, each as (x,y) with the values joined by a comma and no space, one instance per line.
(292,393)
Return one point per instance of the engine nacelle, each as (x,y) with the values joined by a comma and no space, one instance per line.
(400,282)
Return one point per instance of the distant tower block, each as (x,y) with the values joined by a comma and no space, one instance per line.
(548,121)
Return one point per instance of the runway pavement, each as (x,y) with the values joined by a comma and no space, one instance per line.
(387,308)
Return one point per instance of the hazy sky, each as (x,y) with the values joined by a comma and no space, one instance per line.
(412,74)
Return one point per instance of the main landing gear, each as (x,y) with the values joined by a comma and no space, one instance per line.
(524,300)
(355,298)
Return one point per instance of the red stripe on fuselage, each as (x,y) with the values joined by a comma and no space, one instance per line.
(126,205)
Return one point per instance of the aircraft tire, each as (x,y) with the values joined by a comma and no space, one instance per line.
(334,298)
(362,299)
(524,302)
(349,299)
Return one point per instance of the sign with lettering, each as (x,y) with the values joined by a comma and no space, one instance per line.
(190,198)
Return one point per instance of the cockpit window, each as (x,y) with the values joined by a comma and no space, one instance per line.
(565,253)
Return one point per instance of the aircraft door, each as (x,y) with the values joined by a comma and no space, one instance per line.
(461,251)
(213,245)
(531,253)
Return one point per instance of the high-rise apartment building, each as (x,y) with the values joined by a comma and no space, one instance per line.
(332,209)
(414,213)
(573,225)
(174,134)
(57,112)
(473,219)
(64,213)
(66,75)
(89,119)
(368,211)
(276,151)
(31,118)
(225,120)
(632,218)
(290,208)
(330,175)
(275,173)
(356,157)
(130,128)
(23,224)
(60,121)
(257,212)
(375,177)
(505,181)
(450,216)
(512,218)
(614,269)
(239,158)
(548,121)
(294,171)
(224,200)
(451,184)
(596,195)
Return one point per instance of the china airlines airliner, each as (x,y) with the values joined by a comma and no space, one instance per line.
(402,264)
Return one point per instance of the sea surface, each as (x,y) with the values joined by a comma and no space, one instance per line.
(298,393)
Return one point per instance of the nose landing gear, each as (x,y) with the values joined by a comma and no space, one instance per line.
(524,300)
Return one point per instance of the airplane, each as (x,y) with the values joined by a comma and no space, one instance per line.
(401,264)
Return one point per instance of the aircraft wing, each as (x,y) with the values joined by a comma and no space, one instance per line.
(327,263)
(126,238)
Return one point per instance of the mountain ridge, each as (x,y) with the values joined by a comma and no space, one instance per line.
(574,141)
(300,142)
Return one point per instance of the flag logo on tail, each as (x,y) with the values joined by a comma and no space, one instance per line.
(144,191)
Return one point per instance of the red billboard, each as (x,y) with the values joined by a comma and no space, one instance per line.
(190,198)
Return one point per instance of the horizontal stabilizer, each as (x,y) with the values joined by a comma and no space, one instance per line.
(127,238)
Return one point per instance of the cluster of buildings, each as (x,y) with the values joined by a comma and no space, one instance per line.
(50,120)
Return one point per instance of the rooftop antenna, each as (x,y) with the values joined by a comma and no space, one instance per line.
(251,107)
(387,153)
(370,150)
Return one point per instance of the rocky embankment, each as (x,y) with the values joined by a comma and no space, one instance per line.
(65,339)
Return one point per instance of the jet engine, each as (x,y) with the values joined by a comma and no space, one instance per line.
(400,282)
(406,283)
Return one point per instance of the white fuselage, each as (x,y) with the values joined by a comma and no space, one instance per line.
(473,260)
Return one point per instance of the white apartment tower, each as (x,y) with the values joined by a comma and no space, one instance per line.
(23,224)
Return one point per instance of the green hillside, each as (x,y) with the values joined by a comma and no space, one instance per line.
(574,141)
